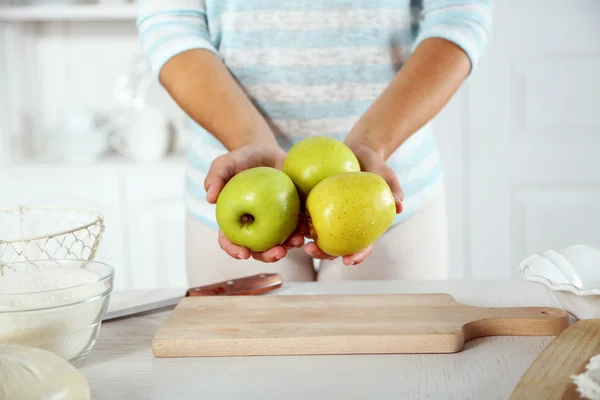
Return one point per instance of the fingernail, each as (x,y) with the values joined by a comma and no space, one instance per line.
(240,256)
(210,190)
(297,241)
(278,257)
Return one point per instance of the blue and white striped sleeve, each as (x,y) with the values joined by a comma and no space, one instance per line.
(168,28)
(467,23)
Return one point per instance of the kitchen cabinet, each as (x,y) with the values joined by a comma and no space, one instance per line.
(54,57)
(142,208)
(155,227)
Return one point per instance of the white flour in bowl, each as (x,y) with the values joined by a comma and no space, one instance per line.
(65,329)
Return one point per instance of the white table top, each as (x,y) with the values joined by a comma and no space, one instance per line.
(122,366)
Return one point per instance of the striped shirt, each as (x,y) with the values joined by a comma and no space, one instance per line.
(312,67)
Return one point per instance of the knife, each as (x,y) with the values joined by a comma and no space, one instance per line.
(139,302)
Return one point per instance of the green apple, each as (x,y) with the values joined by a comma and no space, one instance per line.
(258,208)
(348,212)
(315,158)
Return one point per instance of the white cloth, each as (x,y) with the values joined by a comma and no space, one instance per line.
(588,382)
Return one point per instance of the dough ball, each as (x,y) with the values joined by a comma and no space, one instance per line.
(28,373)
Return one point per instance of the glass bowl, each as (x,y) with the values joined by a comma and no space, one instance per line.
(56,305)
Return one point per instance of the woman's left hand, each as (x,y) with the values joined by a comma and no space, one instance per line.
(370,160)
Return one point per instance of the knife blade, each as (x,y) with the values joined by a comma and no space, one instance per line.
(245,286)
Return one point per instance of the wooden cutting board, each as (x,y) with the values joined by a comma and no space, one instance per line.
(549,377)
(340,324)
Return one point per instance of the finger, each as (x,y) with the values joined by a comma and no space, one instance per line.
(302,225)
(313,250)
(306,233)
(232,249)
(295,240)
(221,170)
(392,180)
(357,258)
(272,255)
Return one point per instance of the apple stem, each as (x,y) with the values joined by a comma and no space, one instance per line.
(246,218)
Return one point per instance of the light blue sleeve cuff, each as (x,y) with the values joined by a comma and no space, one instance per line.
(167,29)
(473,50)
(158,62)
(466,24)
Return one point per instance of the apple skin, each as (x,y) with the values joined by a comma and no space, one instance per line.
(258,208)
(348,212)
(315,158)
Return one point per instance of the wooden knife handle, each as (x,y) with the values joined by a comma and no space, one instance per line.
(246,286)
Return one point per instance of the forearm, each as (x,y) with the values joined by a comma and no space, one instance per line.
(203,87)
(419,91)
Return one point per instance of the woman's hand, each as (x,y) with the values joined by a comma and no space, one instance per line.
(223,168)
(373,161)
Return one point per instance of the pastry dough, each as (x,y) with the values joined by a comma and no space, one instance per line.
(28,373)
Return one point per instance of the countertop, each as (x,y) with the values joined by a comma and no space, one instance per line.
(121,364)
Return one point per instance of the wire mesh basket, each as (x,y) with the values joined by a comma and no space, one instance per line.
(43,233)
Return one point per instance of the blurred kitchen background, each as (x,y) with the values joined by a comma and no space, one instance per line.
(84,124)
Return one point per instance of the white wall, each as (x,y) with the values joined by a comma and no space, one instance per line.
(519,142)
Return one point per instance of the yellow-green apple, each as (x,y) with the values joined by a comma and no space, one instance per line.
(315,158)
(258,208)
(348,212)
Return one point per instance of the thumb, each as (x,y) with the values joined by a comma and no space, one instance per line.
(222,169)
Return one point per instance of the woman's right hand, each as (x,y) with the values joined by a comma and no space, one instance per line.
(225,167)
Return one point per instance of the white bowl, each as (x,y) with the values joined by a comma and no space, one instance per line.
(572,276)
